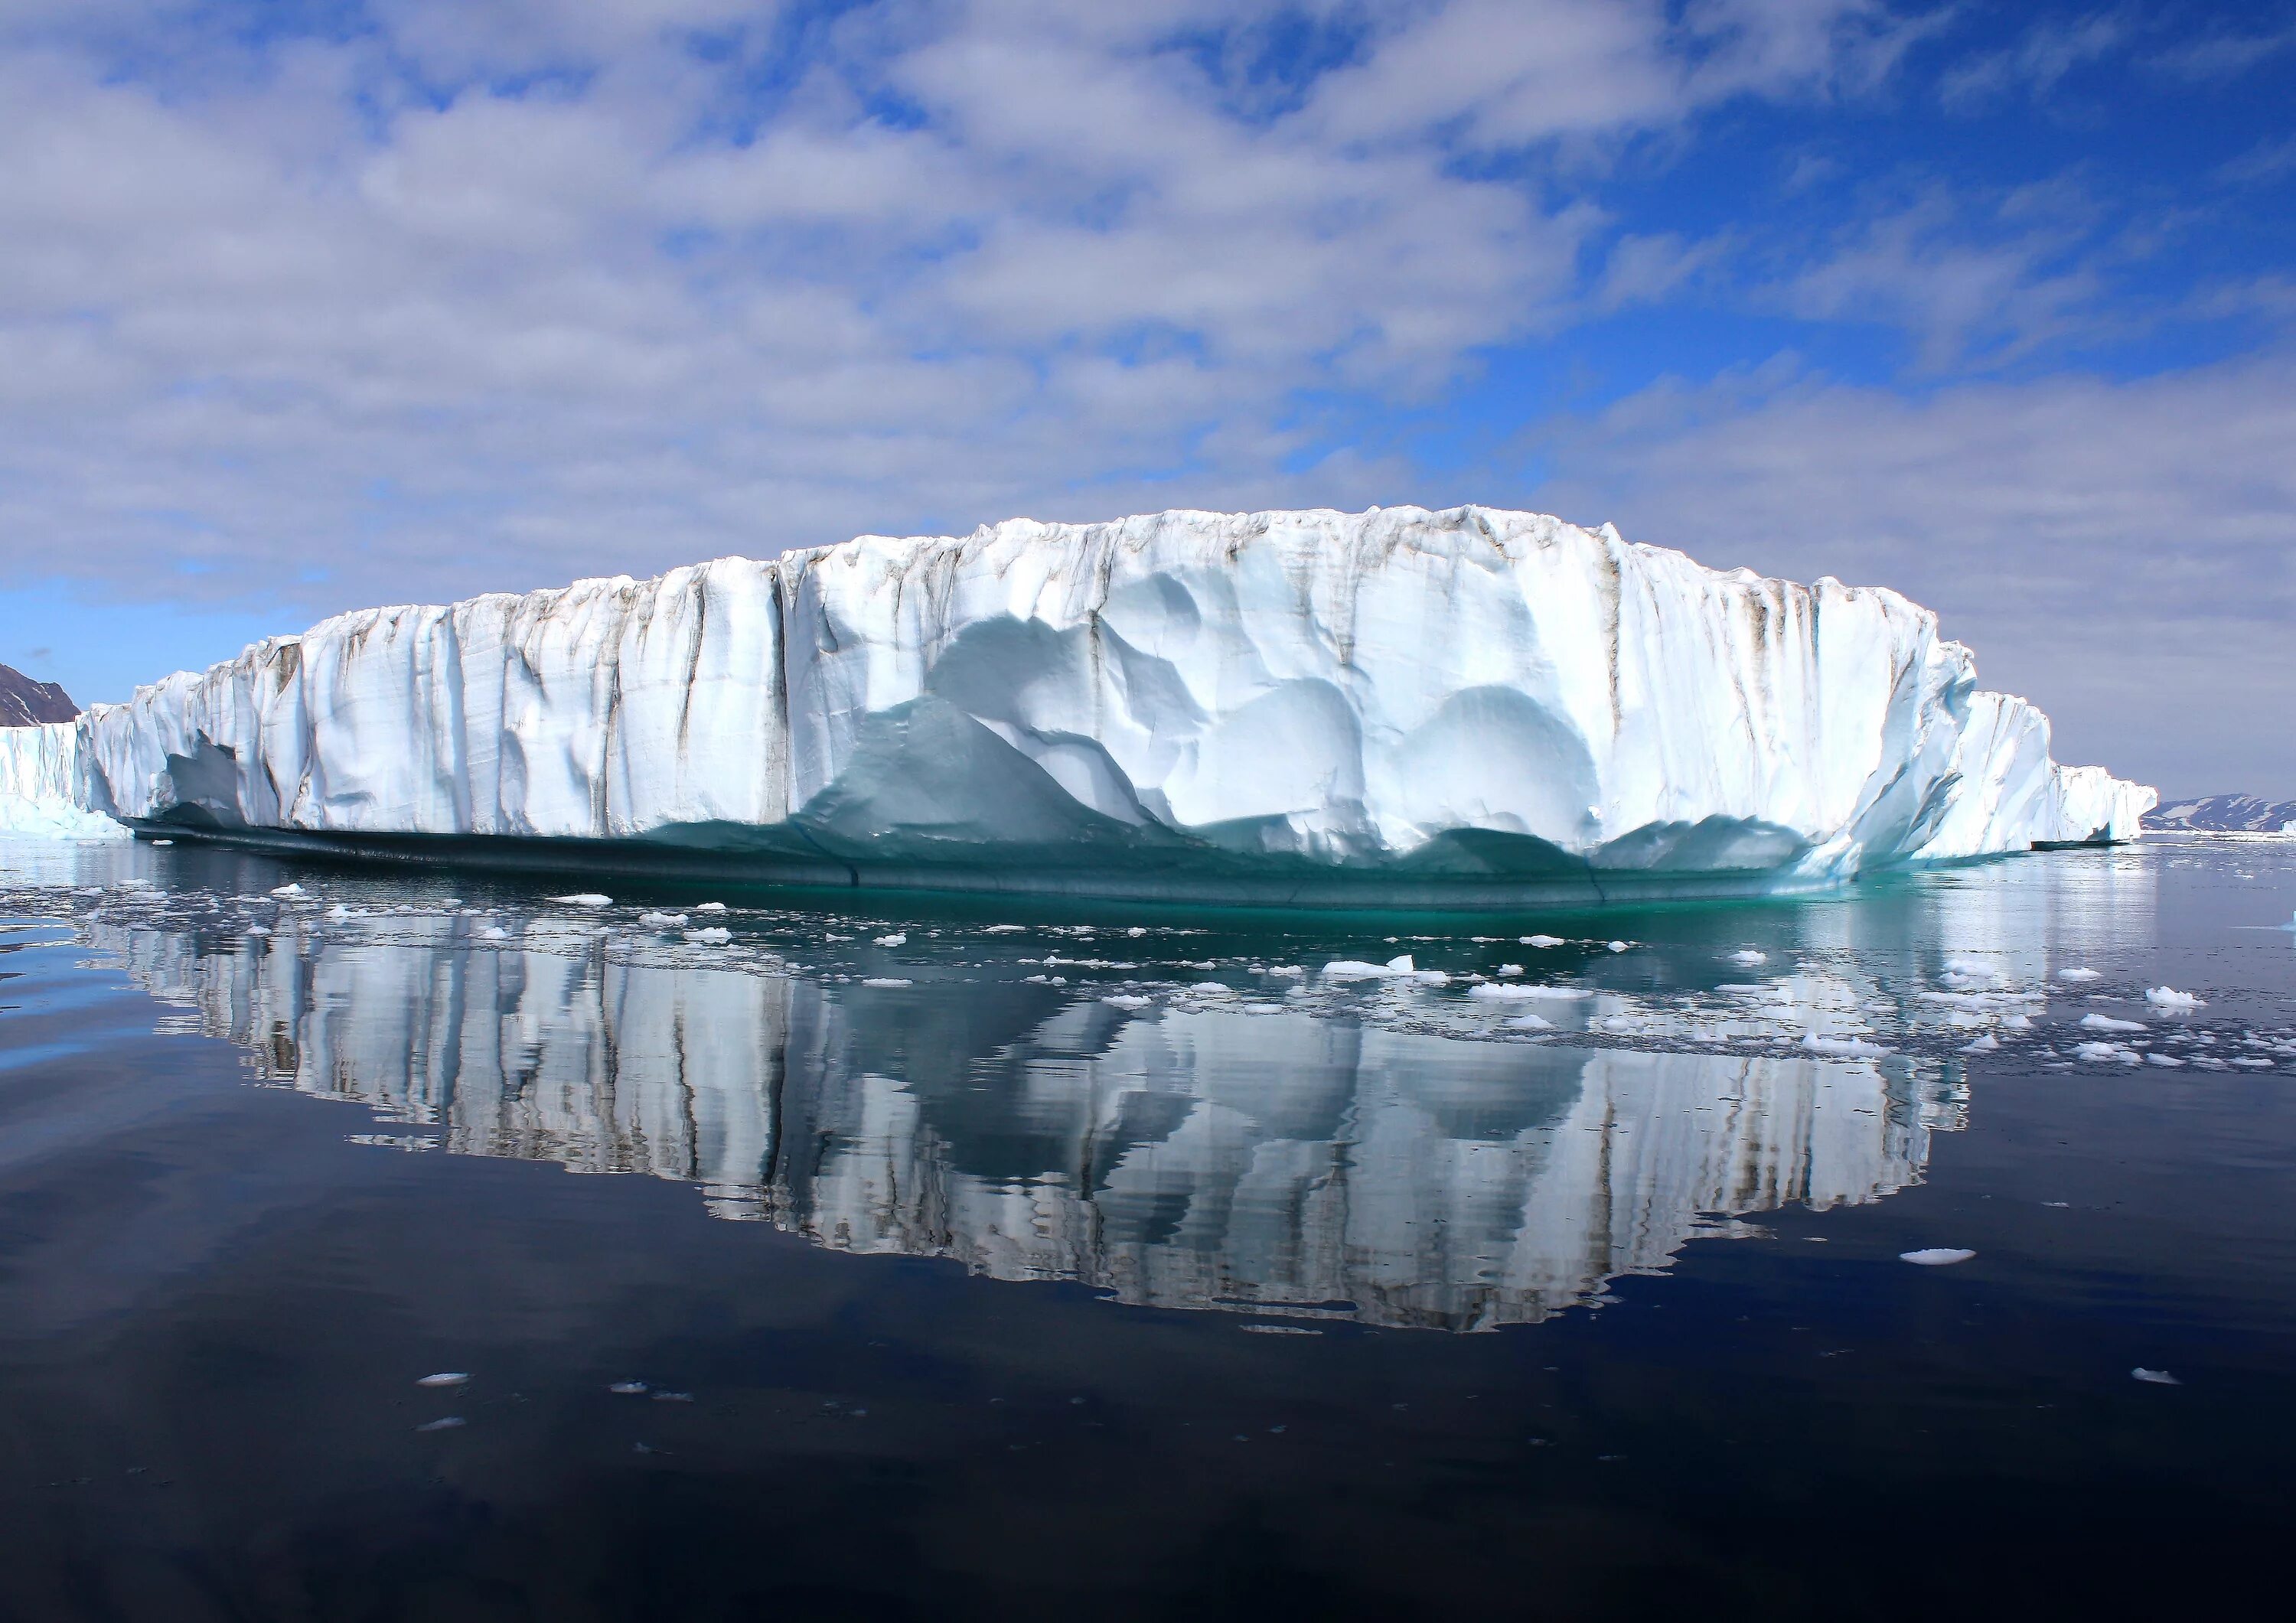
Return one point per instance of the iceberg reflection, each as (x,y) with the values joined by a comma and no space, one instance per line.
(1183,1158)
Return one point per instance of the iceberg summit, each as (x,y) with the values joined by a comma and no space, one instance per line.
(1471,707)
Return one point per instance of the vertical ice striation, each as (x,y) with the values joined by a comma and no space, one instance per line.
(41,792)
(1408,698)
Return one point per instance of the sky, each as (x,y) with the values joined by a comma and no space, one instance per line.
(307,307)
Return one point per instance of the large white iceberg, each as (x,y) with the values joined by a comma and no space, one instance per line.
(1465,707)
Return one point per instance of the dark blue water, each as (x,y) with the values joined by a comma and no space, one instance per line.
(957,1289)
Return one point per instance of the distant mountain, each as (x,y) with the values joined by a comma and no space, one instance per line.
(2226,815)
(27,703)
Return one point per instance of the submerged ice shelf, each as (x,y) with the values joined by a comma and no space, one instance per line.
(1470,707)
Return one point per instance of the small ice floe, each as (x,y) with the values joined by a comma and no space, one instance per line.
(2156,1377)
(163,842)
(1400,967)
(710,908)
(1127,1001)
(494,932)
(2099,1054)
(1541,940)
(257,929)
(1983,1044)
(709,934)
(629,1389)
(1529,1022)
(2079,974)
(445,1378)
(898,939)
(2094,1022)
(2169,997)
(450,901)
(661,921)
(1936,1256)
(1508,970)
(885,981)
(1619,947)
(2169,1059)
(584,898)
(339,912)
(1507,992)
(1748,957)
(1003,930)
(1842,1048)
(1138,930)
(291,892)
(446,1423)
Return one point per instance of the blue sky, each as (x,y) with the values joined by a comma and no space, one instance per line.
(310,307)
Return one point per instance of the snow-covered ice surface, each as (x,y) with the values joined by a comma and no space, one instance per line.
(1467,707)
(1569,1112)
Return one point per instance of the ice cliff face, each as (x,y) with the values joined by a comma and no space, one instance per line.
(1418,699)
(41,789)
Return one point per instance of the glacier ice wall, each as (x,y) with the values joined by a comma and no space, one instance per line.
(41,789)
(1436,698)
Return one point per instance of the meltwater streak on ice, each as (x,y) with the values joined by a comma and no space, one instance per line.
(1466,707)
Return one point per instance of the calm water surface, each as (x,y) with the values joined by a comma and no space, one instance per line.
(959,1264)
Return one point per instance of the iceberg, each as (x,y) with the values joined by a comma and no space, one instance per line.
(41,786)
(1471,707)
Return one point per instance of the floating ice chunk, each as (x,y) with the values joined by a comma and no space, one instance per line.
(2098,1054)
(886,980)
(2079,974)
(1747,957)
(1936,1256)
(449,901)
(291,892)
(2169,1060)
(1983,1044)
(1508,969)
(1844,1047)
(2156,1377)
(1357,969)
(2168,997)
(447,1378)
(1529,1022)
(2094,1022)
(163,842)
(710,908)
(1497,991)
(584,898)
(898,939)
(1003,930)
(628,1389)
(661,921)
(340,912)
(494,932)
(1124,1000)
(1542,940)
(1138,930)
(1619,946)
(445,1424)
(709,934)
